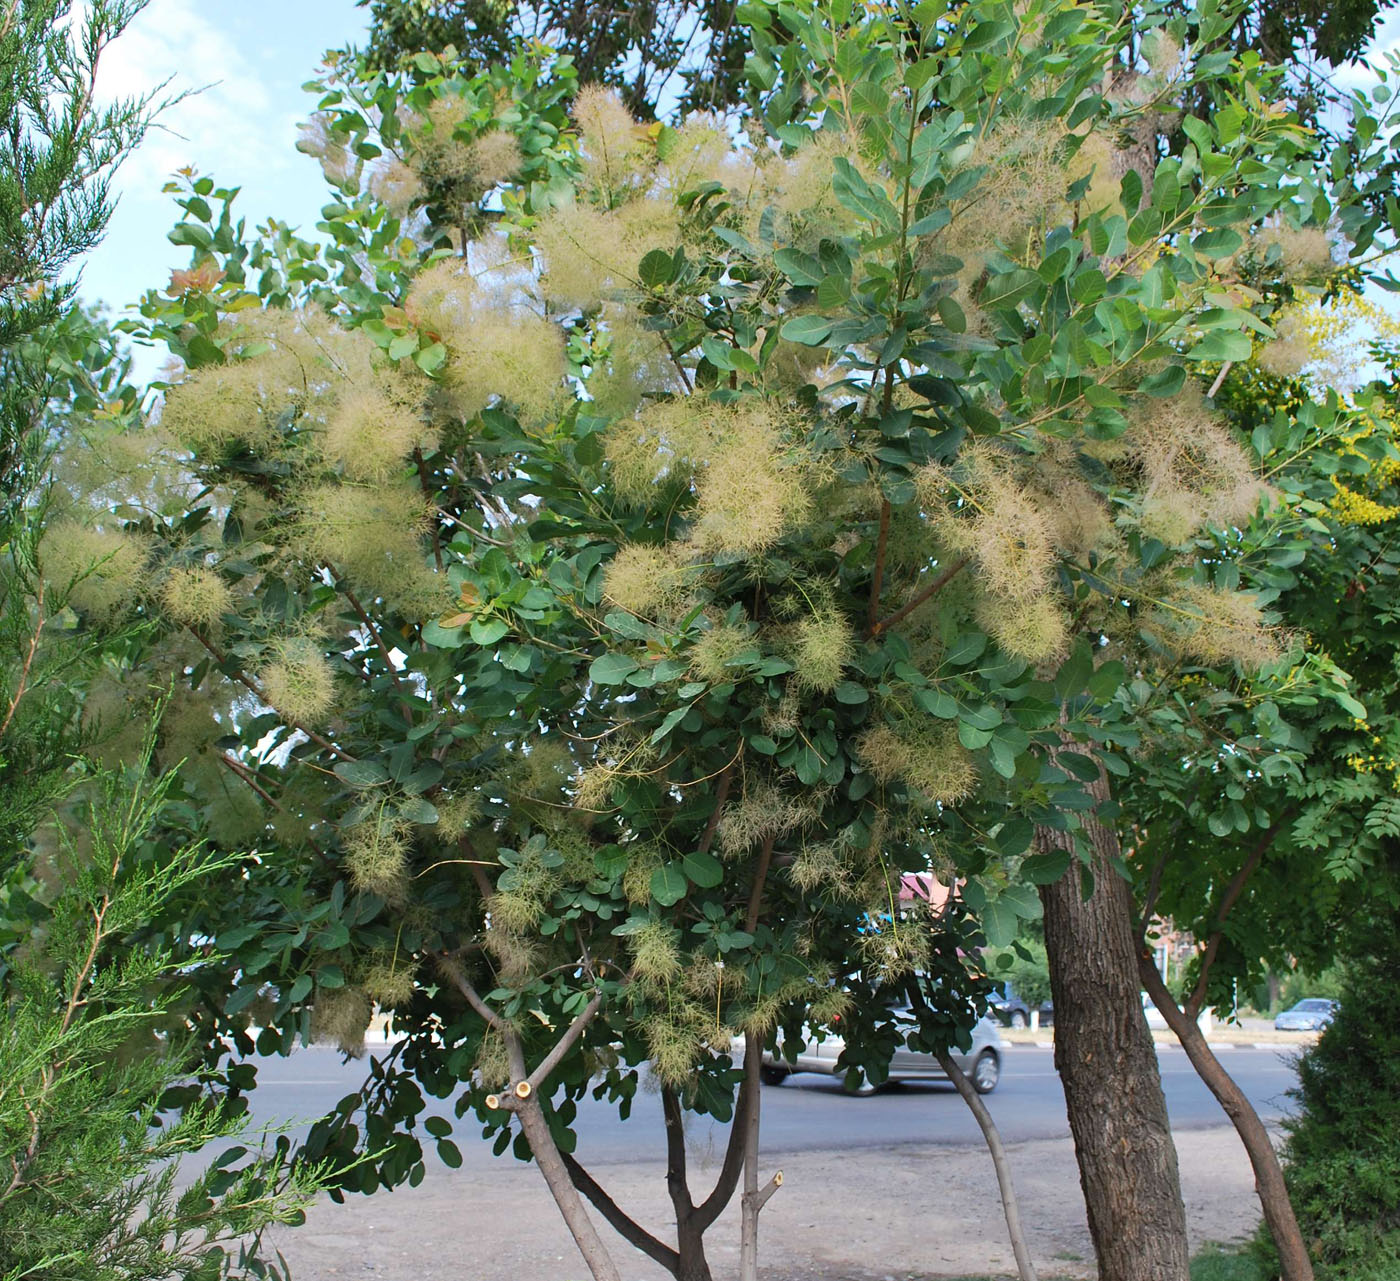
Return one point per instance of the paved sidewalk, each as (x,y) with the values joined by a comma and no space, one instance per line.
(908,1213)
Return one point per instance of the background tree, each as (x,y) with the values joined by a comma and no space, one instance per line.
(663,56)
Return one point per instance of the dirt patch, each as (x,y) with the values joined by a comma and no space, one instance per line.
(910,1213)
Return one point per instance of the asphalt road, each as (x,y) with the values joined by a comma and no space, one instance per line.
(807,1112)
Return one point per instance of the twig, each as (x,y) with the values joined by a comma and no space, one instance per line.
(1219,379)
(938,584)
(28,659)
(242,677)
(426,484)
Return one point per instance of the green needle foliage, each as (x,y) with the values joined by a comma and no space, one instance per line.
(58,150)
(92,1038)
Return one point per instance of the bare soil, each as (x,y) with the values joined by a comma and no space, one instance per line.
(911,1213)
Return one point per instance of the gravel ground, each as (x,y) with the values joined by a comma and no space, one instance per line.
(910,1213)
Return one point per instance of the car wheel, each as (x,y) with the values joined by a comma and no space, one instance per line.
(771,1075)
(986,1072)
(1017,1019)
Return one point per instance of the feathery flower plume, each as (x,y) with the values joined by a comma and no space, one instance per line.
(643,578)
(717,647)
(101,572)
(376,856)
(372,534)
(926,755)
(753,488)
(298,682)
(613,147)
(591,254)
(656,955)
(1194,472)
(341,1016)
(1213,626)
(1036,629)
(825,645)
(390,979)
(197,596)
(371,433)
(395,185)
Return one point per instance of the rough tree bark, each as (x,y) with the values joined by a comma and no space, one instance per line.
(1108,1065)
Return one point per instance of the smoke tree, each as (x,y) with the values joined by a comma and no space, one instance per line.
(615,555)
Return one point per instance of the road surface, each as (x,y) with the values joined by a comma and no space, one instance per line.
(807,1112)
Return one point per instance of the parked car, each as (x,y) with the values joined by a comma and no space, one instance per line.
(1311,1014)
(981,1061)
(1010,1010)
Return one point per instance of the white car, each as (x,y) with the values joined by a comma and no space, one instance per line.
(981,1062)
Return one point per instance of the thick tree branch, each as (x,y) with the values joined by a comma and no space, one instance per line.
(733,1166)
(622,1223)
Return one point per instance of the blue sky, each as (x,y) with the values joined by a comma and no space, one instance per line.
(250,59)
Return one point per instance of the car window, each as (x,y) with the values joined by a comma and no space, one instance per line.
(1313,1005)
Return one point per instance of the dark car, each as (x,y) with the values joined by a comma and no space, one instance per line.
(1008,1008)
(1311,1014)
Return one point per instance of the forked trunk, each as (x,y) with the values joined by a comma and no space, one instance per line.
(1108,1066)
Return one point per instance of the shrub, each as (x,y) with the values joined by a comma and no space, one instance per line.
(1343,1147)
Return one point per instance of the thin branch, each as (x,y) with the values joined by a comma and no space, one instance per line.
(448,965)
(565,1043)
(721,795)
(369,626)
(1227,902)
(713,1205)
(242,677)
(760,878)
(1219,379)
(937,585)
(28,659)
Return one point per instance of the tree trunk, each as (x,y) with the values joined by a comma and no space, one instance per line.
(1108,1066)
(1268,1173)
(955,1074)
(754,1197)
(566,1197)
(691,1264)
